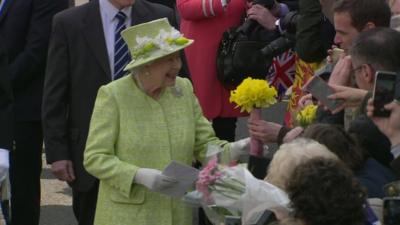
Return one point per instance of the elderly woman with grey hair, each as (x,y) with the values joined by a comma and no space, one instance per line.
(292,154)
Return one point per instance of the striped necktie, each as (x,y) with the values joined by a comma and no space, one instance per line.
(121,52)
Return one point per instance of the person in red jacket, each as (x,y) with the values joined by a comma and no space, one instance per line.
(205,21)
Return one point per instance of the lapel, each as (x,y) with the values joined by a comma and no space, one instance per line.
(5,10)
(139,13)
(93,31)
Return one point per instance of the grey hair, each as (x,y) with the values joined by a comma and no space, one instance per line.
(379,47)
(292,154)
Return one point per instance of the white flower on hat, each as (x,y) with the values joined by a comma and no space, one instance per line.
(165,40)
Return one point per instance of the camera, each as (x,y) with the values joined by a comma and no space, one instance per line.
(288,39)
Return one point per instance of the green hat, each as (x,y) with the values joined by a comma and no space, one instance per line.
(152,40)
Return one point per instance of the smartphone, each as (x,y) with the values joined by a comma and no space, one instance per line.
(321,90)
(384,91)
(391,211)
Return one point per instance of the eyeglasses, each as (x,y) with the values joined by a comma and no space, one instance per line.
(354,70)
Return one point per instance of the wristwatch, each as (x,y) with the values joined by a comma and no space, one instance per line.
(224,3)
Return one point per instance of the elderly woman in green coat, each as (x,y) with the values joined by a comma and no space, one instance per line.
(141,123)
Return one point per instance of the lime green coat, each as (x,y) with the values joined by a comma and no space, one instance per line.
(130,130)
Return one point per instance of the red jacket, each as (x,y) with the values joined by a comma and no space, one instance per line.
(205,21)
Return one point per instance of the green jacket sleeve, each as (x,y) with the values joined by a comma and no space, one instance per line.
(100,158)
(205,134)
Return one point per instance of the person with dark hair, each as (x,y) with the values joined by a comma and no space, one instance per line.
(354,16)
(373,50)
(370,173)
(323,191)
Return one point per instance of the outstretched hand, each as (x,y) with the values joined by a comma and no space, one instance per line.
(239,148)
(341,72)
(350,97)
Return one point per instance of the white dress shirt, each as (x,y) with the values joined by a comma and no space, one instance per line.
(396,151)
(108,13)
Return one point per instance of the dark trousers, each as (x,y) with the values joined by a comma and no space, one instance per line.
(224,128)
(25,169)
(84,204)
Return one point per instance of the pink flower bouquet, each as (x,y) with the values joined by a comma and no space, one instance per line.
(238,192)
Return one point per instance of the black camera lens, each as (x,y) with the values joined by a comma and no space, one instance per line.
(278,46)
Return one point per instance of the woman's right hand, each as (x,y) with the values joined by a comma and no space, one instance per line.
(153,179)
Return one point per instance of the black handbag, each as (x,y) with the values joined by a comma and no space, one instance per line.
(239,58)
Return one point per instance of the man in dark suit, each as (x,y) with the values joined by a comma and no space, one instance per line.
(26,26)
(80,60)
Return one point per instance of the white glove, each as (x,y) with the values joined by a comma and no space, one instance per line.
(153,179)
(240,148)
(4,164)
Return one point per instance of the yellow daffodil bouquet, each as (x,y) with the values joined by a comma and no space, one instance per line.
(252,95)
(307,115)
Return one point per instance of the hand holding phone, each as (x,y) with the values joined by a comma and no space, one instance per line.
(384,92)
(321,90)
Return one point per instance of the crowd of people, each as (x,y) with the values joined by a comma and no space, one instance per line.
(114,90)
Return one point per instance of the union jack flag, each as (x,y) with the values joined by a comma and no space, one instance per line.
(282,71)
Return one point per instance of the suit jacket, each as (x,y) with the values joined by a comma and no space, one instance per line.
(26,27)
(77,66)
(131,130)
(6,98)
